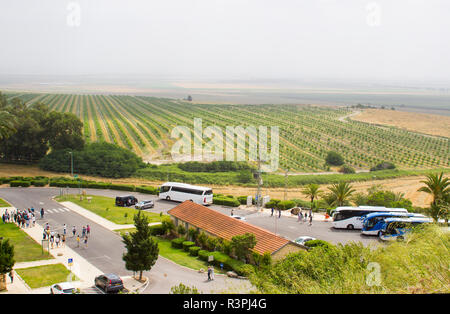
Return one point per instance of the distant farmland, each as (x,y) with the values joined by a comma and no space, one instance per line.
(307,133)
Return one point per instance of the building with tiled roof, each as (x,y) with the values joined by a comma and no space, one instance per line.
(214,223)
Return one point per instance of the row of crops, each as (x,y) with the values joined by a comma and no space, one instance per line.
(307,133)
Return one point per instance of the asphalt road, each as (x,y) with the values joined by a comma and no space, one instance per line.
(106,248)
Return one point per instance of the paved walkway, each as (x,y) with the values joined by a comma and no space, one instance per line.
(81,268)
(284,213)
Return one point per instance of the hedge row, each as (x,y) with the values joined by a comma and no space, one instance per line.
(227,201)
(227,262)
(147,190)
(17,183)
(157,230)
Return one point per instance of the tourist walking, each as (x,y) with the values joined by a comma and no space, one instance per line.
(42,213)
(209,273)
(11,275)
(272,212)
(279,213)
(83,233)
(64,229)
(74,230)
(86,241)
(63,240)
(88,230)
(310,219)
(78,240)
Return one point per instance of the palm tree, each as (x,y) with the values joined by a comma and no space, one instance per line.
(439,188)
(312,191)
(341,192)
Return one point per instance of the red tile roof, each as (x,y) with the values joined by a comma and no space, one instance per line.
(226,227)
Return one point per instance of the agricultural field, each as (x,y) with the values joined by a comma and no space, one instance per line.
(143,125)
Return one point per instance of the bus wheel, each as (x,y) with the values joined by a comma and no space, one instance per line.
(350,227)
(379,234)
(168,198)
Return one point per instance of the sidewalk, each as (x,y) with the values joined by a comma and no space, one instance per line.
(284,213)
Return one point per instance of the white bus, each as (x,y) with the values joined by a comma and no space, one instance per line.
(347,217)
(180,192)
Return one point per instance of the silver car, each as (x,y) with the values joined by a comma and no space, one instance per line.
(144,205)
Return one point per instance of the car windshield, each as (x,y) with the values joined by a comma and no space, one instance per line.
(70,290)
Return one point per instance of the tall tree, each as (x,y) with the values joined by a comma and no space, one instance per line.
(6,261)
(142,249)
(341,193)
(439,188)
(312,191)
(64,130)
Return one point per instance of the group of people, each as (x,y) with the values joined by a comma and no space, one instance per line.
(25,218)
(210,273)
(57,239)
(305,217)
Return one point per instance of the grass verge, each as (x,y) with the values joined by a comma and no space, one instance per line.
(25,248)
(4,203)
(43,276)
(106,208)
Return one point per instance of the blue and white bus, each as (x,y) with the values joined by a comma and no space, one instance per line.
(397,228)
(347,217)
(373,222)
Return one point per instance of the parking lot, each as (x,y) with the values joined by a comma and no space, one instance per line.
(287,227)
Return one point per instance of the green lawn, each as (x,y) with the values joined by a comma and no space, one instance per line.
(105,207)
(47,275)
(25,248)
(182,257)
(4,203)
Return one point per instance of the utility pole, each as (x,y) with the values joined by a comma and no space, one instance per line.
(260,182)
(71,163)
(285,183)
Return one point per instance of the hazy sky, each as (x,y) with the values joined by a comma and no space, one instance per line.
(229,39)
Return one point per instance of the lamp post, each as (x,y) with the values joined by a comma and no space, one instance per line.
(71,163)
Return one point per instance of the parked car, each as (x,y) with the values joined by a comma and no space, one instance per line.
(238,217)
(302,240)
(127,200)
(62,288)
(109,283)
(144,205)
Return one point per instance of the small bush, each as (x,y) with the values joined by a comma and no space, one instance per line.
(187,245)
(347,169)
(283,205)
(193,250)
(39,182)
(157,230)
(318,243)
(203,255)
(226,201)
(178,243)
(17,183)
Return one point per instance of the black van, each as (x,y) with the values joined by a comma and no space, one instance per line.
(126,201)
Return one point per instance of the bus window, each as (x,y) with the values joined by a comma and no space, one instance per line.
(165,189)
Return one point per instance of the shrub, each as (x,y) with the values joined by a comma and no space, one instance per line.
(39,182)
(347,169)
(17,183)
(98,185)
(272,203)
(203,255)
(193,250)
(244,269)
(157,230)
(187,245)
(226,201)
(147,190)
(283,205)
(334,159)
(181,230)
(383,166)
(317,243)
(178,243)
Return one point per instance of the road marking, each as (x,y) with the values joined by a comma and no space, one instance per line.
(49,211)
(67,210)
